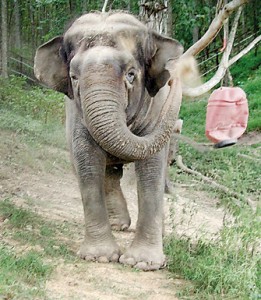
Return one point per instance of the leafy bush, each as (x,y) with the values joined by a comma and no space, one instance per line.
(39,103)
(247,74)
(245,69)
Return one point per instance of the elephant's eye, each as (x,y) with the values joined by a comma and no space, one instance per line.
(74,78)
(130,76)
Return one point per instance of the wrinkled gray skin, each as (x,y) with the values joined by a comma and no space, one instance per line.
(112,68)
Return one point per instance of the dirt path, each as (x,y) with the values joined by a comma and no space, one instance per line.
(56,196)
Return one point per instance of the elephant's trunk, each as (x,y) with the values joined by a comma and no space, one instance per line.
(104,115)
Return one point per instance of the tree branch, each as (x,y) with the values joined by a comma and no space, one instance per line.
(105,5)
(202,89)
(244,51)
(212,182)
(214,28)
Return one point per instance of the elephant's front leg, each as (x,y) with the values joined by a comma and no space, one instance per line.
(146,251)
(99,244)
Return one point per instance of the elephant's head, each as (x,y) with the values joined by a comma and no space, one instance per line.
(105,63)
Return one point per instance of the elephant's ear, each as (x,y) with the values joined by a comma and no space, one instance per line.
(49,66)
(160,50)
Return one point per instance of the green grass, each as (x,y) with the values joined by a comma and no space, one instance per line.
(253,88)
(227,269)
(237,167)
(35,112)
(38,103)
(245,69)
(22,276)
(32,136)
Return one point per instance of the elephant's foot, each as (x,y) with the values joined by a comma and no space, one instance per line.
(146,258)
(120,224)
(117,211)
(104,251)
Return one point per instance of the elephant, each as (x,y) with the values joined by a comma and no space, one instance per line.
(121,106)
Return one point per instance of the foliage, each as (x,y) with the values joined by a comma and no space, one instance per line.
(194,14)
(34,101)
(44,19)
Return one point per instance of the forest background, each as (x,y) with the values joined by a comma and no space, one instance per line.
(30,23)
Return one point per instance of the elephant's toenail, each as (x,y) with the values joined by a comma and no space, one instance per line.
(115,257)
(124,227)
(103,259)
(154,267)
(141,265)
(127,261)
(89,258)
(130,261)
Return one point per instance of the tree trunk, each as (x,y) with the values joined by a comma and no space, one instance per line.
(84,6)
(255,4)
(17,24)
(169,29)
(195,34)
(154,15)
(4,71)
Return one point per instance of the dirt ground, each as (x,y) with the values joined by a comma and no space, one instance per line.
(55,195)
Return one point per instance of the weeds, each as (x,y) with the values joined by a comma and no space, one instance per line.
(224,267)
(22,276)
(35,131)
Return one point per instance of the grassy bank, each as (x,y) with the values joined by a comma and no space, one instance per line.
(32,119)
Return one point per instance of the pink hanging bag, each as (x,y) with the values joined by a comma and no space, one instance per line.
(227,115)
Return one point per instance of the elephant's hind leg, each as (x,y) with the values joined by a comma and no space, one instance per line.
(115,200)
